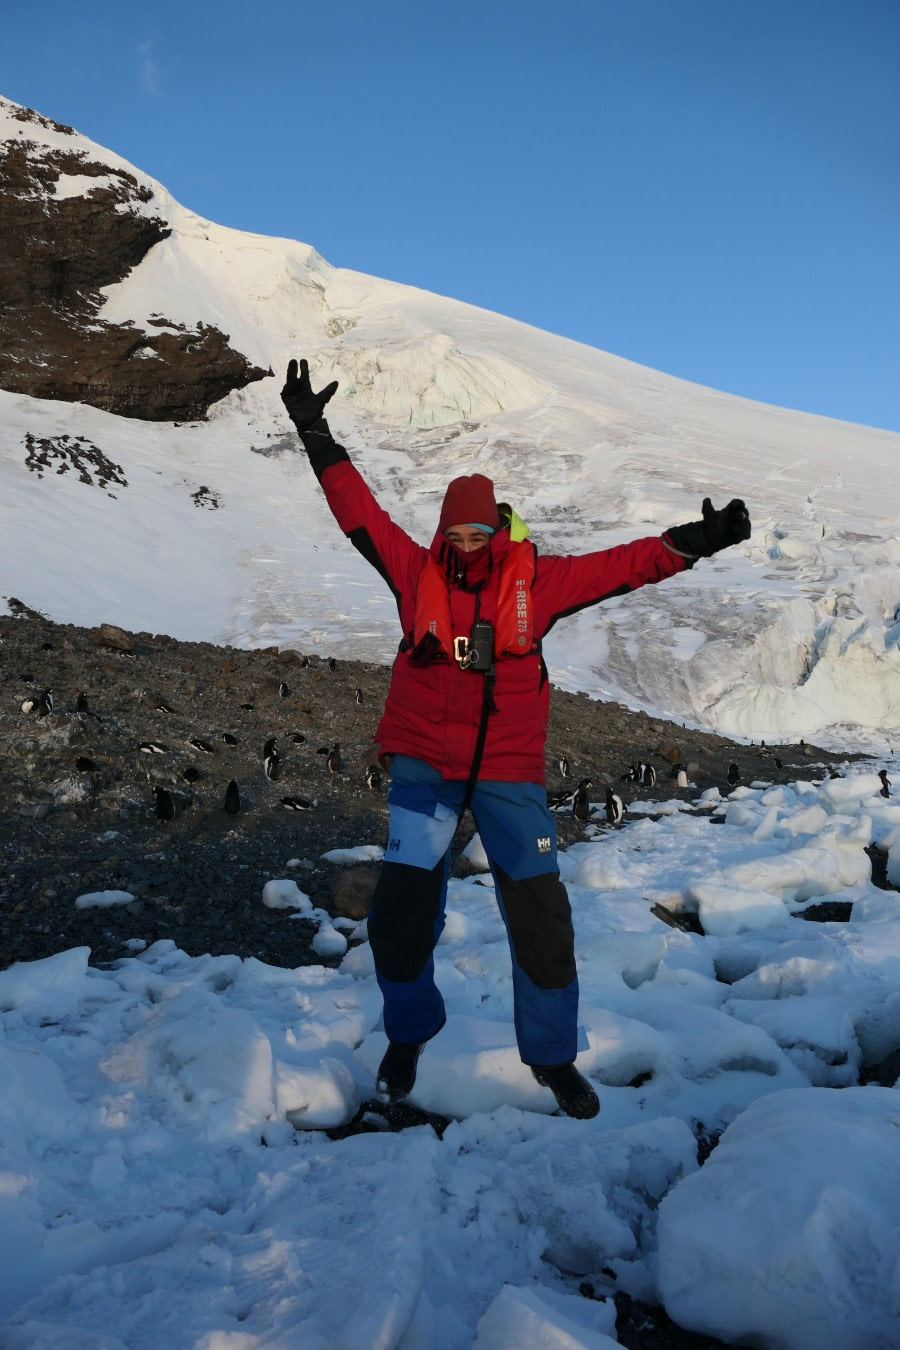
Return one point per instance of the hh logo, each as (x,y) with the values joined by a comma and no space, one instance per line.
(543,843)
(393,846)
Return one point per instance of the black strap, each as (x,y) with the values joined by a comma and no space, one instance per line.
(487,707)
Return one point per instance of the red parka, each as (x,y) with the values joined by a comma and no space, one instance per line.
(433,710)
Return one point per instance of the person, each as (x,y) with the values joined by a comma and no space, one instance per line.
(465,725)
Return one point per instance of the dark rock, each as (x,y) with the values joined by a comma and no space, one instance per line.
(352,889)
(108,635)
(56,253)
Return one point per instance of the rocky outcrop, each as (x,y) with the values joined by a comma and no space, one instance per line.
(56,253)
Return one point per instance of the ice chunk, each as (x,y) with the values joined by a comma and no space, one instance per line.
(783,1238)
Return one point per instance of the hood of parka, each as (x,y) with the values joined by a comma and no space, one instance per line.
(469,570)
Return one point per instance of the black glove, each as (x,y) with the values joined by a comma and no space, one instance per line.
(717,530)
(723,528)
(304,408)
(305,411)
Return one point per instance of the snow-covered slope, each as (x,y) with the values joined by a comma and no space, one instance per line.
(218,531)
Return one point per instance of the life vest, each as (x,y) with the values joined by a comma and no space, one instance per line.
(432,638)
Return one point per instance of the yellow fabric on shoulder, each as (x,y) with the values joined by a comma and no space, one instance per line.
(518,530)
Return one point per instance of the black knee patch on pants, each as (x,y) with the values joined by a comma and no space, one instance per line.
(401,925)
(539,919)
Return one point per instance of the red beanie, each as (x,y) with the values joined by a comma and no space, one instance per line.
(470,501)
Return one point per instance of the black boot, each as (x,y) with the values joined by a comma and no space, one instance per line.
(397,1071)
(572,1091)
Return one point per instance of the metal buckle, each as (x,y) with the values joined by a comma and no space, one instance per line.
(461,651)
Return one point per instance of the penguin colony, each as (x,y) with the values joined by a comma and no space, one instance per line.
(219,859)
(168,800)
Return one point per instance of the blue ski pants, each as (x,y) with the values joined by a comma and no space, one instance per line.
(519,837)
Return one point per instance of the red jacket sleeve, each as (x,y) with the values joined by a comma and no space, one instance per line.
(565,585)
(381,541)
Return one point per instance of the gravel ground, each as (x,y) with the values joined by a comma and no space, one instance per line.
(198,879)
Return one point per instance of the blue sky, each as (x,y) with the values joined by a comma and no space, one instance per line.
(709,187)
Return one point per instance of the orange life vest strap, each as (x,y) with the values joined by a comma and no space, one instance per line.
(513,626)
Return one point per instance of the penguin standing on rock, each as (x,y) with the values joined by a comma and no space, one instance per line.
(271,760)
(563,767)
(885,783)
(81,703)
(374,777)
(358,696)
(165,804)
(581,806)
(733,776)
(614,808)
(283,690)
(681,777)
(232,803)
(334,761)
(648,775)
(44,705)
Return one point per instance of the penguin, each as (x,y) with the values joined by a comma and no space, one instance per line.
(681,778)
(563,767)
(28,706)
(304,663)
(630,776)
(154,748)
(733,776)
(885,783)
(779,764)
(205,746)
(164,707)
(232,803)
(272,762)
(84,764)
(44,705)
(297,803)
(298,738)
(247,707)
(581,806)
(648,775)
(358,696)
(270,747)
(81,703)
(558,801)
(283,690)
(229,739)
(374,777)
(334,762)
(190,774)
(165,804)
(332,664)
(614,808)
